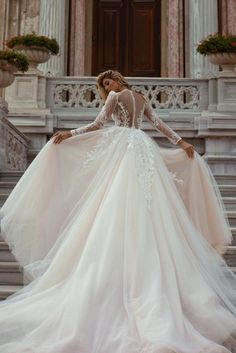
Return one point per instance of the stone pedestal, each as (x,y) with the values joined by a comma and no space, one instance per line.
(226,87)
(219,132)
(27,92)
(27,109)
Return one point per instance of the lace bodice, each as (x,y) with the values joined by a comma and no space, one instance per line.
(128,109)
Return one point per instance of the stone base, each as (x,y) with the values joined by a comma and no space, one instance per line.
(28,91)
(227,93)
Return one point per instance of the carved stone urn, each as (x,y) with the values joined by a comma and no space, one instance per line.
(6,73)
(35,55)
(226,60)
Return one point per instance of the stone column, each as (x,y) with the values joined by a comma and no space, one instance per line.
(203,20)
(52,23)
(175,39)
(228,16)
(77,38)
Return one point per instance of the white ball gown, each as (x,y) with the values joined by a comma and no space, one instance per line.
(121,242)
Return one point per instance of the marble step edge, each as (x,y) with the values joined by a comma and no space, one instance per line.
(219,157)
(231,249)
(6,290)
(7,176)
(222,187)
(10,266)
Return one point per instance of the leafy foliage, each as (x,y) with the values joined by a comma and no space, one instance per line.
(217,43)
(13,58)
(34,40)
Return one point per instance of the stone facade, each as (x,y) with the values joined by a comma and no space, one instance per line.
(183,24)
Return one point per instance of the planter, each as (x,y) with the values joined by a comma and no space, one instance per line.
(6,73)
(35,55)
(226,60)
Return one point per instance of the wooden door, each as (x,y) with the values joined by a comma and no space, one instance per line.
(126,37)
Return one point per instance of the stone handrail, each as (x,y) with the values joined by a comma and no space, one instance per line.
(79,95)
(13,147)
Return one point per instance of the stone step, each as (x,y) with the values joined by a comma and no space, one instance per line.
(11,273)
(225,179)
(6,187)
(228,190)
(10,176)
(233,230)
(6,290)
(230,256)
(221,163)
(3,197)
(230,203)
(232,218)
(5,254)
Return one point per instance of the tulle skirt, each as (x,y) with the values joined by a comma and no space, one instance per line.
(120,242)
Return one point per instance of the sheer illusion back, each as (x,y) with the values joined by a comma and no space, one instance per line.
(128,109)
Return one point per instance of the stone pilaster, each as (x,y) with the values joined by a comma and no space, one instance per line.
(77,39)
(203,20)
(52,23)
(175,39)
(228,16)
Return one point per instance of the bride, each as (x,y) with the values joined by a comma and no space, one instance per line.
(120,241)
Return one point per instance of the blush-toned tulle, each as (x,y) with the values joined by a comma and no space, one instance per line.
(118,238)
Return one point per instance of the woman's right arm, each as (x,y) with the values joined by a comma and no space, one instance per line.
(103,116)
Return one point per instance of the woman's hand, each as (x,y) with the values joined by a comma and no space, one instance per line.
(59,136)
(187,147)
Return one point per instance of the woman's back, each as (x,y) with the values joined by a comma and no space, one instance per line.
(129,109)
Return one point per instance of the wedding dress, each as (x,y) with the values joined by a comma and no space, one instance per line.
(120,240)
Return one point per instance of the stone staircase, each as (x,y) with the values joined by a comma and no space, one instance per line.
(11,275)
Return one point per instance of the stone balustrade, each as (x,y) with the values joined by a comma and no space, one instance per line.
(13,146)
(79,94)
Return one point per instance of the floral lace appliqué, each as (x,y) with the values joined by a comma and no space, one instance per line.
(144,161)
(99,149)
(174,177)
(122,119)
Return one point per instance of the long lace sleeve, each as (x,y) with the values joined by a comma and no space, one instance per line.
(160,125)
(103,116)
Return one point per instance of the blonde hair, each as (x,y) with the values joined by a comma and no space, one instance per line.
(114,75)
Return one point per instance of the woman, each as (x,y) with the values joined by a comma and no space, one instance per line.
(120,239)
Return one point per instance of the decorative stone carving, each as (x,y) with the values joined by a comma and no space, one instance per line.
(162,96)
(13,147)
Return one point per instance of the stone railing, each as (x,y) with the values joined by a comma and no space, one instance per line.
(13,147)
(79,94)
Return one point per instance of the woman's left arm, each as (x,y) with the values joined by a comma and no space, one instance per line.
(167,131)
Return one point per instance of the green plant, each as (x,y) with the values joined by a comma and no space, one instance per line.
(217,43)
(34,40)
(15,59)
